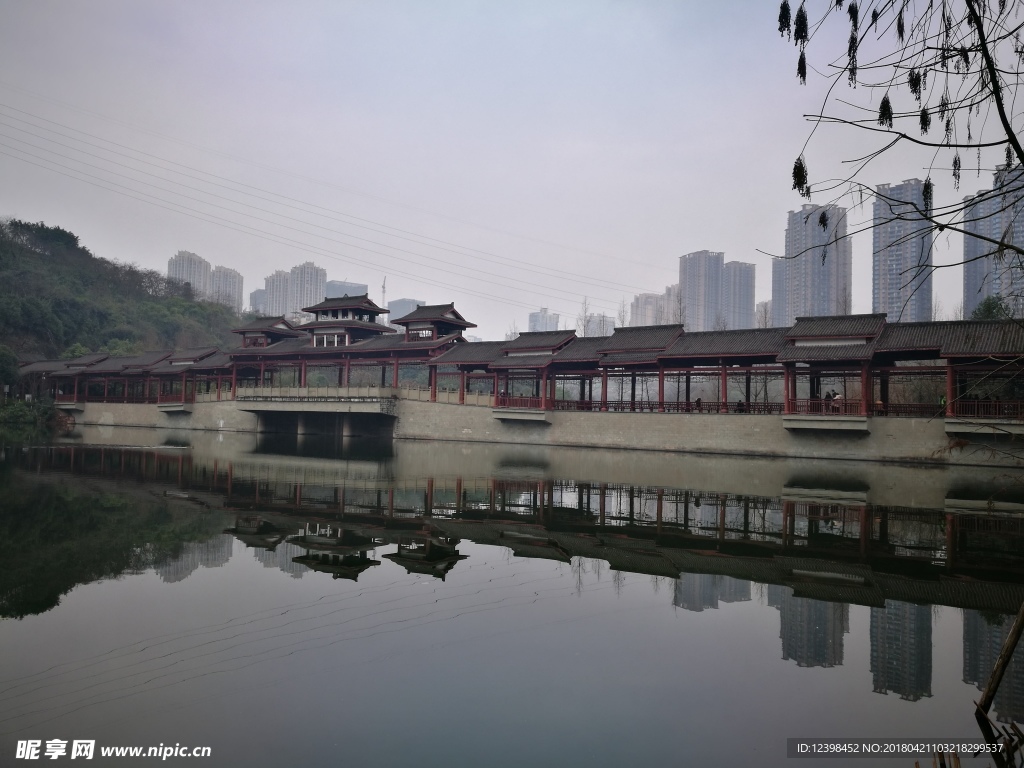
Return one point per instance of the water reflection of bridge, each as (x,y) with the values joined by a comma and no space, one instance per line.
(827,544)
(817,550)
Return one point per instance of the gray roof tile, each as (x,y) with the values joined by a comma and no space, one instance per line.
(840,325)
(642,337)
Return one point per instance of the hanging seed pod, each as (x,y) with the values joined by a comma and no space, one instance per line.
(927,194)
(801,68)
(800,26)
(926,120)
(885,112)
(785,26)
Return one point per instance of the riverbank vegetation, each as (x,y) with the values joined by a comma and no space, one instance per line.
(58,299)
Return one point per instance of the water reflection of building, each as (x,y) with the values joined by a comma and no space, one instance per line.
(282,557)
(984,634)
(697,591)
(208,554)
(901,649)
(812,630)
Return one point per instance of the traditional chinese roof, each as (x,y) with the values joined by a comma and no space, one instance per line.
(826,353)
(642,337)
(86,360)
(583,349)
(362,301)
(841,326)
(277,325)
(471,353)
(396,341)
(428,313)
(341,322)
(43,366)
(960,338)
(132,364)
(192,355)
(546,340)
(745,343)
(521,361)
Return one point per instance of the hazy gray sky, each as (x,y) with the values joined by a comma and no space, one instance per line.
(502,155)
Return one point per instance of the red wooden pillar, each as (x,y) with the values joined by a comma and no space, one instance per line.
(182,386)
(950,388)
(661,399)
(262,372)
(544,391)
(218,386)
(234,379)
(787,377)
(458,494)
(346,374)
(394,374)
(724,390)
(494,390)
(432,374)
(604,389)
(603,489)
(865,390)
(104,389)
(462,388)
(865,531)
(661,500)
(429,502)
(302,374)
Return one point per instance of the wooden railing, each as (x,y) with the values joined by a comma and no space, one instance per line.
(837,407)
(989,409)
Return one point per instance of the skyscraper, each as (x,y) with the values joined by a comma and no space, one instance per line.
(338,288)
(399,308)
(815,276)
(984,634)
(307,286)
(187,267)
(901,248)
(738,294)
(811,630)
(543,320)
(997,214)
(901,649)
(712,294)
(700,281)
(226,287)
(278,290)
(646,309)
(258,301)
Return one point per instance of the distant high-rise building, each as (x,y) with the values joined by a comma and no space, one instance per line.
(226,287)
(984,635)
(700,281)
(213,553)
(338,288)
(543,320)
(815,277)
(697,591)
(278,287)
(901,649)
(599,325)
(901,247)
(811,630)
(399,308)
(258,301)
(997,214)
(712,294)
(646,309)
(187,267)
(738,294)
(307,286)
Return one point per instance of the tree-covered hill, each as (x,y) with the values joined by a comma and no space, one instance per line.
(57,298)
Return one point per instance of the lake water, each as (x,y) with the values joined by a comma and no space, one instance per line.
(440,604)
